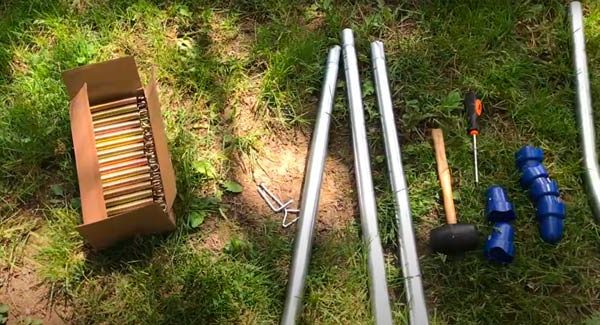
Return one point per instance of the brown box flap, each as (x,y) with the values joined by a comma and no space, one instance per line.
(86,158)
(160,143)
(147,220)
(107,81)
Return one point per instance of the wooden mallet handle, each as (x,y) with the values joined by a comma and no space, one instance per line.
(444,175)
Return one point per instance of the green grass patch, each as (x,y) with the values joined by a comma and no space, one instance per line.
(214,61)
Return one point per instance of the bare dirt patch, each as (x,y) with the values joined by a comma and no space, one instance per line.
(280,165)
(28,297)
(215,235)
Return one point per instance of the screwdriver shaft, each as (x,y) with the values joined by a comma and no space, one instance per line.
(475,163)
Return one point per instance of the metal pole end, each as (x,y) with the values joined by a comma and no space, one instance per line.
(377,50)
(347,37)
(334,55)
(576,18)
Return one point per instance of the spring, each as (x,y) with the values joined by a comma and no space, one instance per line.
(158,193)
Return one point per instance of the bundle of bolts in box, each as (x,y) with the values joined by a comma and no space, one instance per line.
(543,192)
(129,168)
(126,179)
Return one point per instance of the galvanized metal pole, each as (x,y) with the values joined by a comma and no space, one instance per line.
(406,237)
(585,113)
(366,195)
(310,192)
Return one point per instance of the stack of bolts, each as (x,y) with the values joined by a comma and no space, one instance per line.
(543,192)
(128,166)
(500,245)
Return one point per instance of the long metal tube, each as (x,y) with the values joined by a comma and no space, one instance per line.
(380,302)
(585,114)
(406,237)
(311,192)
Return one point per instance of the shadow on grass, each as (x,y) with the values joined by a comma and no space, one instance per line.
(165,279)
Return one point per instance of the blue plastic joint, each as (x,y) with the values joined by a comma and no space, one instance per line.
(531,172)
(544,193)
(541,187)
(528,155)
(498,206)
(551,213)
(500,245)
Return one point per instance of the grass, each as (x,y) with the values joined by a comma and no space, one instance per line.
(222,67)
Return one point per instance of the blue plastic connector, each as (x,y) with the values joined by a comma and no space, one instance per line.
(544,192)
(531,172)
(550,206)
(551,229)
(528,155)
(498,206)
(551,213)
(500,246)
(542,186)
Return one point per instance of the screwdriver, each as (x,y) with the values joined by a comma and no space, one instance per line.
(474,109)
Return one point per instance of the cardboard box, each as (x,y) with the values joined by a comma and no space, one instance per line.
(97,84)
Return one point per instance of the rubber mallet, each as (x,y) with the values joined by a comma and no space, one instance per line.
(453,237)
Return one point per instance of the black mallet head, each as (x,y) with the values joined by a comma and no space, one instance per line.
(452,239)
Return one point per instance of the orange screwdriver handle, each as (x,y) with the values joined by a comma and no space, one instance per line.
(474,108)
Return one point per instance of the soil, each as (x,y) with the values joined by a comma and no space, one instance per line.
(215,235)
(29,298)
(280,165)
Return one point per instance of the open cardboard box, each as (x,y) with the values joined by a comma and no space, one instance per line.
(97,84)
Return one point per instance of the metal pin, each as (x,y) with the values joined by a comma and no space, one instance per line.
(113,185)
(120,150)
(112,211)
(123,173)
(114,112)
(121,157)
(268,197)
(117,103)
(127,189)
(285,223)
(124,164)
(117,119)
(119,141)
(117,127)
(129,197)
(120,133)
